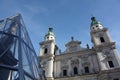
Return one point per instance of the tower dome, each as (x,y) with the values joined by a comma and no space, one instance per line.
(50,34)
(95,25)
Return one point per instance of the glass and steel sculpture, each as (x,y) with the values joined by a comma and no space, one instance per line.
(18,60)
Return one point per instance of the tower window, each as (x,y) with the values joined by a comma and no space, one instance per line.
(86,69)
(110,64)
(102,39)
(64,72)
(75,70)
(46,50)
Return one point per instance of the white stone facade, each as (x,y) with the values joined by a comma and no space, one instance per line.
(101,62)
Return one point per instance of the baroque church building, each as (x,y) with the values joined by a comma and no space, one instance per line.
(101,62)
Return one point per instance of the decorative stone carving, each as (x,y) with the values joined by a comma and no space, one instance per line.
(86,64)
(64,64)
(64,61)
(64,67)
(43,65)
(84,57)
(109,57)
(106,53)
(100,34)
(74,62)
(98,49)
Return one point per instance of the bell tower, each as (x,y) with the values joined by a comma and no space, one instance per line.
(47,52)
(104,46)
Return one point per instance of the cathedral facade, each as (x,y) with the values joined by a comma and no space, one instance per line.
(101,62)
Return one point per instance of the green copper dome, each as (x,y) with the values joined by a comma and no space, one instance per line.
(50,32)
(94,21)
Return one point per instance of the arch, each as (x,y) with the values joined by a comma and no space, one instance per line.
(102,39)
(75,70)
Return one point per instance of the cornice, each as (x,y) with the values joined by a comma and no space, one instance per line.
(74,54)
(46,56)
(77,77)
(112,70)
(44,42)
(110,45)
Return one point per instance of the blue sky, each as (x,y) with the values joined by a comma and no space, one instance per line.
(68,18)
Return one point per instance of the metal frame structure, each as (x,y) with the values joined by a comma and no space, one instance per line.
(18,60)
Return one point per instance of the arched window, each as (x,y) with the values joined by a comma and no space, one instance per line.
(75,70)
(46,50)
(110,64)
(86,69)
(64,72)
(102,39)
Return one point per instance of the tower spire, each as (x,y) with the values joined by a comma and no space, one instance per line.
(94,21)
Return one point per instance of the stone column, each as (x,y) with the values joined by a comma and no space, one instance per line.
(50,69)
(116,57)
(101,61)
(70,68)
